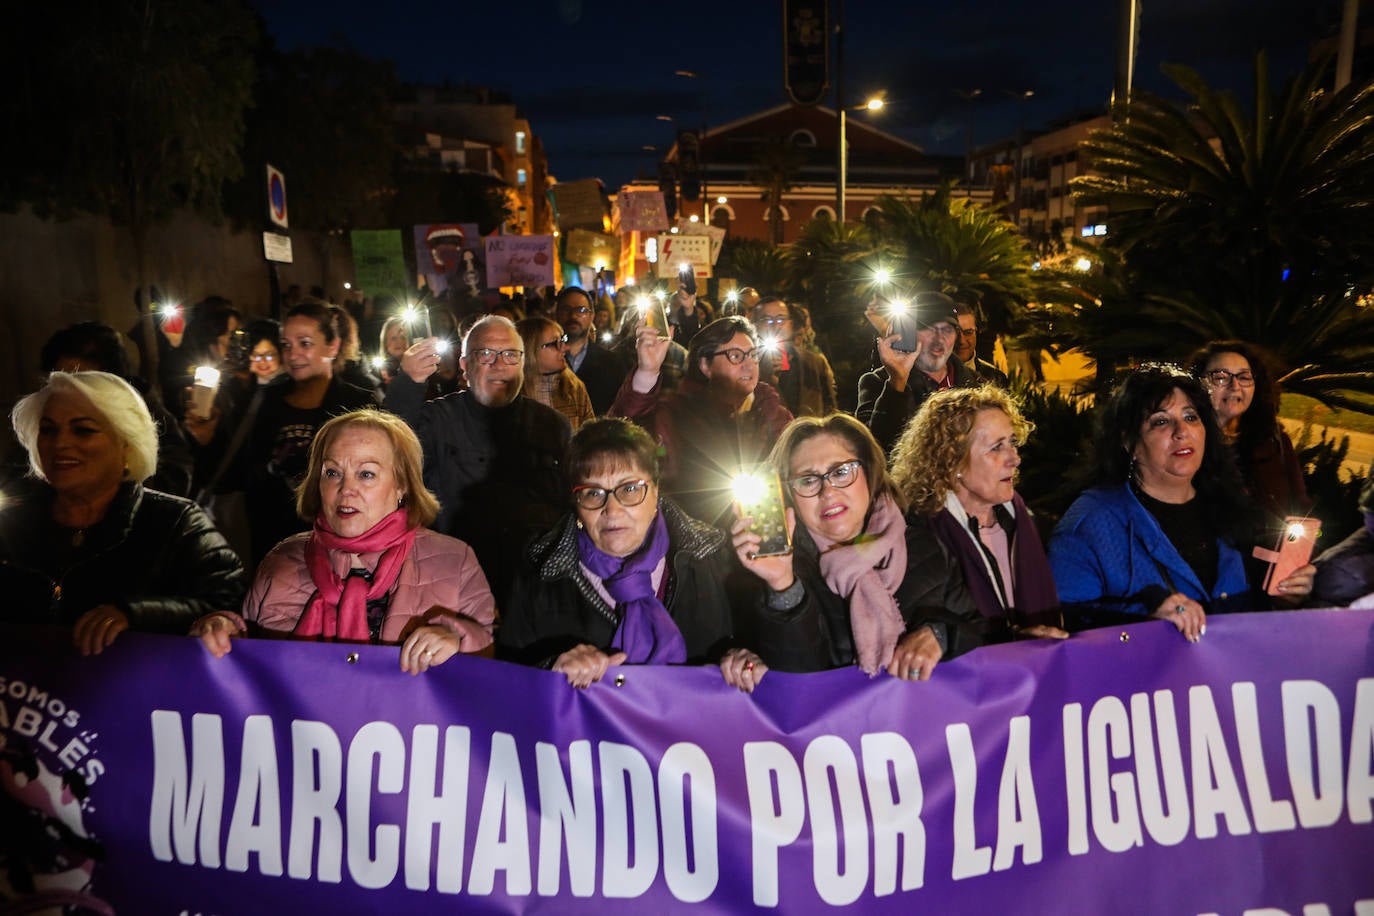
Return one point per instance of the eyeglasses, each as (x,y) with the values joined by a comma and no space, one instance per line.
(772,319)
(736,356)
(578,309)
(628,494)
(555,343)
(1221,378)
(969,332)
(486,357)
(839,477)
(263,357)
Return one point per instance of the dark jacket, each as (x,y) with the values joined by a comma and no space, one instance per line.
(885,410)
(815,635)
(278,457)
(1033,600)
(554,607)
(990,373)
(703,444)
(807,386)
(498,473)
(154,556)
(1346,571)
(601,371)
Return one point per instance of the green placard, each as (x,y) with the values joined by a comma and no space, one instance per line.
(379,264)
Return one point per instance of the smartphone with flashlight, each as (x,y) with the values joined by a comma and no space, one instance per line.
(687,279)
(1294,550)
(656,315)
(417,317)
(758,492)
(898,313)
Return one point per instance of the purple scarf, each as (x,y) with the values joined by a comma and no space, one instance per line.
(646,634)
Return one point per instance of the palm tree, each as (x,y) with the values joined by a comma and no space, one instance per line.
(777,162)
(1256,225)
(940,241)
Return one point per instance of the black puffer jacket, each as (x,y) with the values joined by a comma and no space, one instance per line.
(815,635)
(554,607)
(156,557)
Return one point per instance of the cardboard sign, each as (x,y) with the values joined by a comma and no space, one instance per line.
(520,260)
(674,250)
(592,249)
(579,204)
(379,263)
(450,256)
(642,211)
(714,233)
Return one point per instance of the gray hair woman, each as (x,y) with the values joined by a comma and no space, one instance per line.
(84,544)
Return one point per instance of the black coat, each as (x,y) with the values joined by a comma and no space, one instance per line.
(815,635)
(554,608)
(601,371)
(154,556)
(498,473)
(885,410)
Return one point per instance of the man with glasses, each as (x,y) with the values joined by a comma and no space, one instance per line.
(600,370)
(719,420)
(803,378)
(917,355)
(492,457)
(966,346)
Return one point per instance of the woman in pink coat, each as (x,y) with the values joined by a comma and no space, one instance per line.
(369,571)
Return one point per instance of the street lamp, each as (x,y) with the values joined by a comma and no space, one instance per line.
(875,103)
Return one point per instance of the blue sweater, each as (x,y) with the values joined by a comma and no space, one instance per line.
(1109,556)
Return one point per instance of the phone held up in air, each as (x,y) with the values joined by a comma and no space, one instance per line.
(687,279)
(1294,550)
(759,495)
(656,315)
(901,323)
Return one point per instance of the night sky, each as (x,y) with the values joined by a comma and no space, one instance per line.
(592,75)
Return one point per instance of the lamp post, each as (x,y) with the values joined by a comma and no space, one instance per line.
(873,104)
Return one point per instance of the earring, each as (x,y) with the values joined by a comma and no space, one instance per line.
(580,526)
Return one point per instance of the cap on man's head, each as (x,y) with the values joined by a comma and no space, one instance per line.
(929,309)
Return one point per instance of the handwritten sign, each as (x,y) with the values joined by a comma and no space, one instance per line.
(715,233)
(520,260)
(379,264)
(676,250)
(579,204)
(642,211)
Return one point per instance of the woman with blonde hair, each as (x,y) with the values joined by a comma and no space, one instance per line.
(547,377)
(370,570)
(956,465)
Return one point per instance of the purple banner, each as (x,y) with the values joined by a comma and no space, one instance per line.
(1121,771)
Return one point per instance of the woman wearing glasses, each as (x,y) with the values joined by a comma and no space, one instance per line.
(862,586)
(720,420)
(1245,398)
(550,381)
(626,577)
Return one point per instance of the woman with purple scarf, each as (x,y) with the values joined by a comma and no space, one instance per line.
(626,578)
(862,586)
(956,464)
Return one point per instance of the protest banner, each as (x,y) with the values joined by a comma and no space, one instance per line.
(1121,771)
(450,256)
(676,250)
(642,211)
(519,260)
(592,249)
(578,203)
(379,264)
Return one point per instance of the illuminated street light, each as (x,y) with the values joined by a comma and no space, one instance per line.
(722,199)
(874,103)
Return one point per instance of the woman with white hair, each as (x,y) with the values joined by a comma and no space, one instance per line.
(82,543)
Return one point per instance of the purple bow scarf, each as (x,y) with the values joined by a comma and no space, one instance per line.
(646,634)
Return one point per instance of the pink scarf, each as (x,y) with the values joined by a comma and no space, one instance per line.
(339,608)
(866,573)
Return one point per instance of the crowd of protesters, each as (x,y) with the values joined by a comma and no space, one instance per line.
(534,484)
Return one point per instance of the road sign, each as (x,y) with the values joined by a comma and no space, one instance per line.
(276,246)
(276,196)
